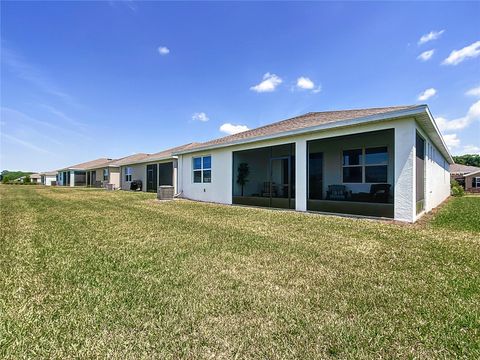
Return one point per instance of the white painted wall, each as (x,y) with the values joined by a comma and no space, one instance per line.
(72,178)
(437,175)
(402,175)
(139,172)
(48,179)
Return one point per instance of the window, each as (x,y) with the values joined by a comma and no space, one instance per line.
(373,162)
(202,169)
(352,166)
(105,174)
(476,182)
(376,160)
(128,174)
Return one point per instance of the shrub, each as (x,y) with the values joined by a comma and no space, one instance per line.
(456,189)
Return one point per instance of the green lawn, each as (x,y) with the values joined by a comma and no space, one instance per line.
(89,273)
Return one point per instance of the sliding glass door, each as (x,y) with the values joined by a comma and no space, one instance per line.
(152,178)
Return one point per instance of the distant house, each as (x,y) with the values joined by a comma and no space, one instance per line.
(35,178)
(152,170)
(387,162)
(76,175)
(108,173)
(467,176)
(48,178)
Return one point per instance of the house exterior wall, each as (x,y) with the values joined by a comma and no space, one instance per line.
(139,172)
(437,175)
(72,178)
(114,174)
(220,189)
(47,180)
(468,182)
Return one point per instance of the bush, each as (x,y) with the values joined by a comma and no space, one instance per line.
(456,189)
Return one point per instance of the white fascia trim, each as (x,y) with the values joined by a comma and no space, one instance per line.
(152,160)
(472,173)
(437,130)
(345,123)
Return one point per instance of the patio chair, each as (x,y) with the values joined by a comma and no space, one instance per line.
(269,189)
(380,193)
(338,192)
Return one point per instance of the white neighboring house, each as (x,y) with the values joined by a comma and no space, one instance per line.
(47,178)
(389,162)
(152,170)
(35,178)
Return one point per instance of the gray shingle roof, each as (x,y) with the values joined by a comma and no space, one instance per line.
(128,159)
(89,164)
(166,154)
(302,122)
(462,169)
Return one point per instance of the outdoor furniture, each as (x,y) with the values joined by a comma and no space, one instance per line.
(338,192)
(269,189)
(136,185)
(380,193)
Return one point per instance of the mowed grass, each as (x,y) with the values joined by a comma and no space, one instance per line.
(88,273)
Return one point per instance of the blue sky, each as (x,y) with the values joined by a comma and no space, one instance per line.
(82,80)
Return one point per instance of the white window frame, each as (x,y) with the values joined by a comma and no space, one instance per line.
(107,172)
(128,173)
(201,169)
(363,165)
(477,181)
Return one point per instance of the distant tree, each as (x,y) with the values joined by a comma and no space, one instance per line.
(468,159)
(13,175)
(27,180)
(242,175)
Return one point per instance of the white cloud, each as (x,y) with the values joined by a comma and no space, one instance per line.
(200,116)
(163,50)
(473,92)
(471,149)
(269,83)
(231,129)
(426,55)
(432,35)
(306,84)
(457,56)
(452,140)
(473,114)
(427,94)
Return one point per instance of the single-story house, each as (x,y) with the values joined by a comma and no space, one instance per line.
(48,178)
(35,178)
(152,170)
(467,176)
(389,162)
(108,172)
(76,175)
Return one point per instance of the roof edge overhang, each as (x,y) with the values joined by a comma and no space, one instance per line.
(472,173)
(413,112)
(146,161)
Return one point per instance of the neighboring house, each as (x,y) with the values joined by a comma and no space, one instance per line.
(48,178)
(467,176)
(109,172)
(76,175)
(152,170)
(387,162)
(35,178)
